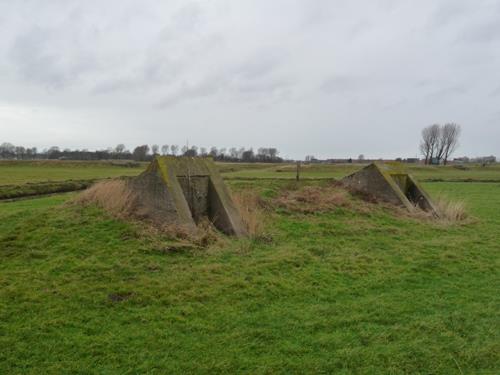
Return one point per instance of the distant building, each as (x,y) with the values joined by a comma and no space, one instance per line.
(481,160)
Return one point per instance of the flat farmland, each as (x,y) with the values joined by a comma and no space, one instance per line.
(19,172)
(357,288)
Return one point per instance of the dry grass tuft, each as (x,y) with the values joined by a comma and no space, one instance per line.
(311,199)
(206,234)
(451,211)
(249,204)
(113,196)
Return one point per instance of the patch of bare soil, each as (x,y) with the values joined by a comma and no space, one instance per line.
(120,296)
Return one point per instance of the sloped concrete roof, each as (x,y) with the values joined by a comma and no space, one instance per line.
(391,183)
(164,198)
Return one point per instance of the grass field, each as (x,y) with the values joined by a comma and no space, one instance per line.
(344,291)
(16,173)
(287,171)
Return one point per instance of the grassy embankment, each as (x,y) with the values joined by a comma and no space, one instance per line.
(342,291)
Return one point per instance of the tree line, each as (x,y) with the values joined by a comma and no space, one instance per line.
(141,153)
(439,142)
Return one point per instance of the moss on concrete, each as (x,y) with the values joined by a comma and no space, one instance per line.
(391,183)
(190,188)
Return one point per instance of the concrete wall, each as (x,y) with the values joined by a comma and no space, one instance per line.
(195,191)
(391,186)
(184,191)
(371,181)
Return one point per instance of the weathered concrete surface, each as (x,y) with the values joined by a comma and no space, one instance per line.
(183,190)
(392,185)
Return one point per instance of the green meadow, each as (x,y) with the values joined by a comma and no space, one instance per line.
(21,172)
(43,171)
(358,288)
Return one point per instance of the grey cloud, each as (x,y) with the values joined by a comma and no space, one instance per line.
(395,105)
(485,32)
(447,12)
(495,92)
(114,85)
(449,91)
(341,84)
(267,86)
(185,21)
(323,71)
(262,64)
(35,61)
(189,91)
(155,72)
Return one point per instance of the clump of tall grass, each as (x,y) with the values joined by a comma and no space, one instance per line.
(249,206)
(451,211)
(114,196)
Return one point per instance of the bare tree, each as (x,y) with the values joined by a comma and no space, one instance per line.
(214,152)
(450,133)
(429,144)
(119,149)
(233,152)
(248,155)
(155,149)
(191,152)
(140,153)
(273,153)
(20,152)
(164,150)
(174,149)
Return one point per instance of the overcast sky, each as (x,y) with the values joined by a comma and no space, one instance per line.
(324,77)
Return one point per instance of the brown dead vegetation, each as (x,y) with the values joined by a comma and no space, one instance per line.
(451,211)
(317,199)
(313,199)
(113,196)
(250,206)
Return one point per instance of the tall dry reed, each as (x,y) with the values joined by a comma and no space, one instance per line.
(113,196)
(249,205)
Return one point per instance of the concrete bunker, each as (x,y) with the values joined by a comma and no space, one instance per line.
(392,185)
(183,191)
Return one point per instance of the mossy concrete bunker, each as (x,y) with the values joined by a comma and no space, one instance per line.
(183,191)
(391,184)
